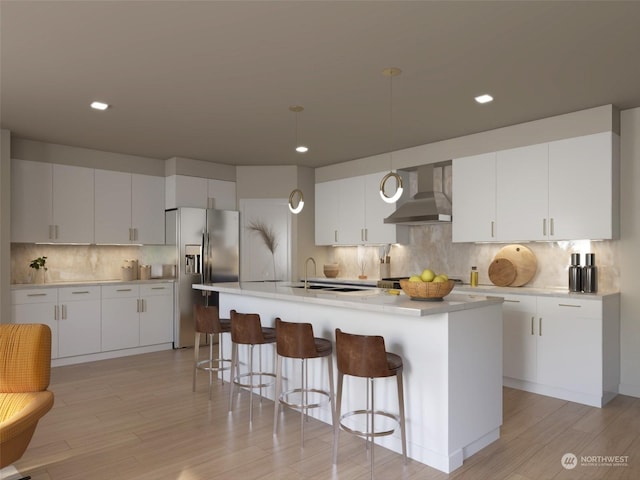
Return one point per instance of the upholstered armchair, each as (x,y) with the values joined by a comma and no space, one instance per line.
(25,366)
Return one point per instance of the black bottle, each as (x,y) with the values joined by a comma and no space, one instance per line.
(575,274)
(590,274)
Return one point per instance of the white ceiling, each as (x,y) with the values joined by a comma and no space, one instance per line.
(214,80)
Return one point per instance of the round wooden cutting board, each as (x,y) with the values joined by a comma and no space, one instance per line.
(502,272)
(524,261)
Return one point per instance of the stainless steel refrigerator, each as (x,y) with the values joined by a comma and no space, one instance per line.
(207,247)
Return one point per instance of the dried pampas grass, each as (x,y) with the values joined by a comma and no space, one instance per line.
(266,233)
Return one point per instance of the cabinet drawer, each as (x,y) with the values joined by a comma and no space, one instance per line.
(126,290)
(34,295)
(155,290)
(75,294)
(519,303)
(573,307)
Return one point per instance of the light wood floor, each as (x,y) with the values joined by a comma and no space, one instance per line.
(136,418)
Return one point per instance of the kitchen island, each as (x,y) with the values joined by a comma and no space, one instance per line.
(452,353)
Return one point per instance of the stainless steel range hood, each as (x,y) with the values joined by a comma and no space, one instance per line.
(427,206)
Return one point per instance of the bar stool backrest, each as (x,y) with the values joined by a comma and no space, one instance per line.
(246,328)
(207,319)
(295,340)
(362,355)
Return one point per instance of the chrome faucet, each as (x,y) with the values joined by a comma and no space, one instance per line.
(306,265)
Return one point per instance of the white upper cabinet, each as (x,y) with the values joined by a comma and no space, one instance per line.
(583,176)
(221,195)
(31,205)
(51,203)
(562,190)
(147,209)
(349,211)
(184,191)
(113,207)
(129,208)
(474,198)
(327,202)
(522,198)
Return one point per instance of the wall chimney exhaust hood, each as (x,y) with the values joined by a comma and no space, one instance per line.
(427,206)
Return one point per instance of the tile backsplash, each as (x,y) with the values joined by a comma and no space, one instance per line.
(431,247)
(71,263)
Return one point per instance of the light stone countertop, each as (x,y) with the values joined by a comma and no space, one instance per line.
(372,299)
(77,283)
(538,292)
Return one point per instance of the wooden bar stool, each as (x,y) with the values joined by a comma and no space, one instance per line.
(365,356)
(208,322)
(246,329)
(296,340)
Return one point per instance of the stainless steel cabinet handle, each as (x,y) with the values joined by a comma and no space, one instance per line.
(544,227)
(158,288)
(492,231)
(36,294)
(55,312)
(80,292)
(366,234)
(130,235)
(532,325)
(335,235)
(138,306)
(64,312)
(540,326)
(512,301)
(123,290)
(569,305)
(144,305)
(551,229)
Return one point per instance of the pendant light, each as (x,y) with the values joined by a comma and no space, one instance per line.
(296,198)
(391,72)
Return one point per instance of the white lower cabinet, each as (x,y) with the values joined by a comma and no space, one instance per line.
(37,305)
(72,313)
(563,347)
(136,315)
(94,322)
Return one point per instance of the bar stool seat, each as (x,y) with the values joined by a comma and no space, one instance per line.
(295,340)
(366,356)
(246,329)
(208,322)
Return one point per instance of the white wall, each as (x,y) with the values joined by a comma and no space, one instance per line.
(630,252)
(5,225)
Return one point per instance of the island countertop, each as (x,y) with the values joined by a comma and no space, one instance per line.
(371,299)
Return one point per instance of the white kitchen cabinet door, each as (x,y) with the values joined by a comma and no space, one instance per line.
(570,344)
(147,209)
(156,315)
(326,210)
(37,306)
(79,321)
(120,317)
(522,200)
(185,191)
(113,207)
(376,210)
(31,207)
(519,337)
(73,211)
(351,226)
(221,195)
(582,174)
(474,199)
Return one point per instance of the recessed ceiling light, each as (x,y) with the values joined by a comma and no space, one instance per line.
(302,149)
(486,98)
(99,105)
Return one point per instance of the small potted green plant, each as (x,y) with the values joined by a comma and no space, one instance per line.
(38,264)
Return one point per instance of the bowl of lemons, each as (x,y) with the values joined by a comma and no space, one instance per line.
(427,286)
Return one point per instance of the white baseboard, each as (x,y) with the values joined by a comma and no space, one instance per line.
(631,390)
